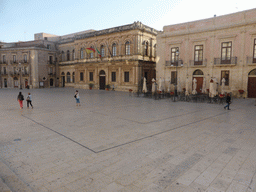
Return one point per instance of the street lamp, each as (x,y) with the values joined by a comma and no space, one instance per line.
(20,71)
(177,62)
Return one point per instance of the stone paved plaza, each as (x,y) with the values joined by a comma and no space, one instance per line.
(115,142)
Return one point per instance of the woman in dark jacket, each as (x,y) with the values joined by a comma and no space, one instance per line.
(228,101)
(20,98)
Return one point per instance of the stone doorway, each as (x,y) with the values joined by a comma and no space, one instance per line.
(252,84)
(102,79)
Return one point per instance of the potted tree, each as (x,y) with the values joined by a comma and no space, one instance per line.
(91,86)
(107,87)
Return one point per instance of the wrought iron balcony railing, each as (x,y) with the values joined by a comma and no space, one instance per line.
(220,61)
(250,60)
(198,63)
(178,63)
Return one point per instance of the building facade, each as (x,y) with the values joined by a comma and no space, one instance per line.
(119,57)
(215,48)
(28,64)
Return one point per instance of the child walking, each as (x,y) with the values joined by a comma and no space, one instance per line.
(77,98)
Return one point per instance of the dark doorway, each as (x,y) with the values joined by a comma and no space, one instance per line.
(26,83)
(102,79)
(252,87)
(63,81)
(199,84)
(51,82)
(5,82)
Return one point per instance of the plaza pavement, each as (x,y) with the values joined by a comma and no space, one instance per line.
(115,142)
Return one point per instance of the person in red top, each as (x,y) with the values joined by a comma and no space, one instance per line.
(20,98)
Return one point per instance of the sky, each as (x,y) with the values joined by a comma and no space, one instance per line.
(21,19)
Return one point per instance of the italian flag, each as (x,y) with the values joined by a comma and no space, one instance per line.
(89,50)
(98,52)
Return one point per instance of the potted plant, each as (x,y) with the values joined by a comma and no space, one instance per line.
(90,85)
(107,87)
(241,91)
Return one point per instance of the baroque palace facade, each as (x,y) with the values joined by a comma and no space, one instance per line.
(215,48)
(119,57)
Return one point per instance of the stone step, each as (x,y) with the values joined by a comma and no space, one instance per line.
(10,182)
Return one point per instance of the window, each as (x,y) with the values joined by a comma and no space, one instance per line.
(146,48)
(198,55)
(173,77)
(14,58)
(82,53)
(225,75)
(50,70)
(81,76)
(91,54)
(126,76)
(4,59)
(226,52)
(254,51)
(73,54)
(62,56)
(26,70)
(127,48)
(114,49)
(102,51)
(68,55)
(91,76)
(68,77)
(48,46)
(73,77)
(25,58)
(113,75)
(174,55)
(50,59)
(4,69)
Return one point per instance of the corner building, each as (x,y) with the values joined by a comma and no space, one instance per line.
(214,48)
(123,56)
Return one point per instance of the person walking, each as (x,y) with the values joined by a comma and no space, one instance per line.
(20,98)
(228,101)
(77,98)
(29,101)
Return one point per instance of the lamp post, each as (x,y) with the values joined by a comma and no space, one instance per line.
(20,71)
(177,62)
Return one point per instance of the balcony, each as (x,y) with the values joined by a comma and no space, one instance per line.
(4,74)
(194,63)
(52,74)
(25,74)
(51,62)
(250,60)
(3,62)
(178,63)
(14,74)
(14,62)
(24,62)
(220,62)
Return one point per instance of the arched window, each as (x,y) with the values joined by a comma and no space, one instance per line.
(114,49)
(73,77)
(62,74)
(102,51)
(82,53)
(146,48)
(62,56)
(68,55)
(68,77)
(25,58)
(198,72)
(91,54)
(253,72)
(127,48)
(73,54)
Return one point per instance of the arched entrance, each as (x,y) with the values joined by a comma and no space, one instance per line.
(252,84)
(63,79)
(16,82)
(51,82)
(26,83)
(199,76)
(102,79)
(5,83)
